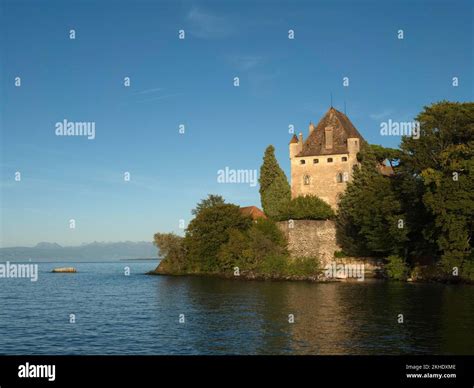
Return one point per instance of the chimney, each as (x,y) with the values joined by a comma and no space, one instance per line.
(328,138)
(300,140)
(311,127)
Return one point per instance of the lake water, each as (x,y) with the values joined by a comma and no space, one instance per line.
(139,314)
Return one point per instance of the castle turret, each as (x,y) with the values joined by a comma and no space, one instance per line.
(296,145)
(353,145)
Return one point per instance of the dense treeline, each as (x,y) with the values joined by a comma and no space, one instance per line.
(423,215)
(220,239)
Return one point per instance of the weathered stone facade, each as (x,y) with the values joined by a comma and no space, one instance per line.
(310,238)
(323,164)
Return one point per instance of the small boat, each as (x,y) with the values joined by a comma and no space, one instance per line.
(64,270)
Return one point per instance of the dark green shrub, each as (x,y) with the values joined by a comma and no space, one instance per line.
(309,207)
(396,268)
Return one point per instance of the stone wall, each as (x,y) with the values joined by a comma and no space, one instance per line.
(308,238)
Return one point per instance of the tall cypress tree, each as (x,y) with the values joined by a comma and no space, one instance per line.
(275,192)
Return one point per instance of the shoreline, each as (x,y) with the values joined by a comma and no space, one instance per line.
(304,278)
(251,276)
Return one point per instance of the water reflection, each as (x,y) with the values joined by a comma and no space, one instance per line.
(139,314)
(242,317)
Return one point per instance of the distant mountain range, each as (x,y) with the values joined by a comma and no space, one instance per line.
(84,252)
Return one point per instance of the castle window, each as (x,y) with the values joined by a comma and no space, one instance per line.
(342,177)
(344,158)
(302,161)
(329,160)
(315,161)
(306,179)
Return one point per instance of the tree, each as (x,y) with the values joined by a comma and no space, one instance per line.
(432,192)
(442,160)
(276,199)
(208,202)
(171,251)
(208,231)
(396,268)
(249,249)
(275,192)
(371,219)
(309,207)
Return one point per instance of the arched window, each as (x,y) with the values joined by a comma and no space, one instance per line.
(339,177)
(306,179)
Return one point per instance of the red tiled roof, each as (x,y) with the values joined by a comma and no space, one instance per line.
(253,212)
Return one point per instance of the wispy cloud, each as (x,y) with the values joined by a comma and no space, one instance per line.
(207,25)
(246,62)
(149,91)
(153,94)
(262,83)
(381,115)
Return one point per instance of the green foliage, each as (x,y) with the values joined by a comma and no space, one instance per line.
(275,192)
(442,159)
(380,154)
(467,269)
(277,265)
(210,201)
(171,251)
(235,251)
(309,207)
(277,197)
(273,265)
(208,231)
(249,249)
(340,254)
(396,268)
(303,266)
(432,191)
(220,238)
(371,219)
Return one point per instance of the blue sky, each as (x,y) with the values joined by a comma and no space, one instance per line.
(190,82)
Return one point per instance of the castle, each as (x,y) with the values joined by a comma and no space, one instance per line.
(322,165)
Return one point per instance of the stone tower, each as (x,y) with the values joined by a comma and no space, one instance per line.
(322,165)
